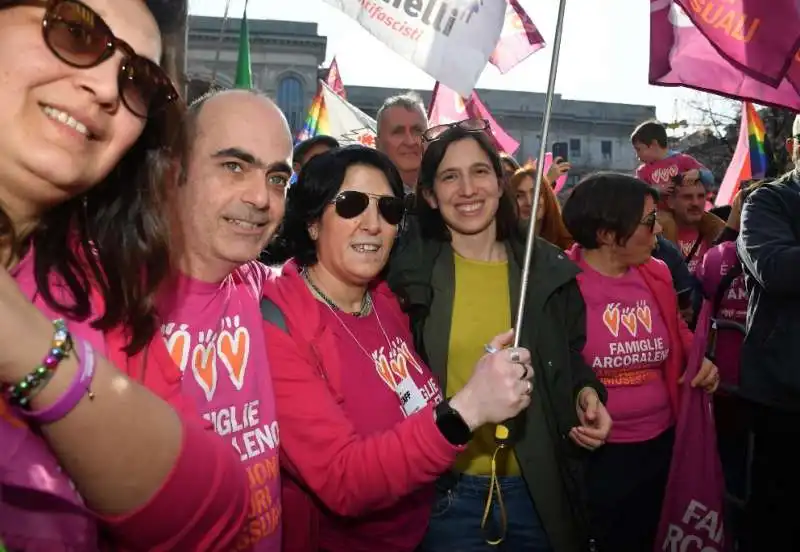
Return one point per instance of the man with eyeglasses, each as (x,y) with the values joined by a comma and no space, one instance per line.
(769,248)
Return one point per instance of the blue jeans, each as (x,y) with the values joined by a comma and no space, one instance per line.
(455,524)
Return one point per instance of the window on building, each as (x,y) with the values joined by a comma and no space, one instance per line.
(574,147)
(606,149)
(290,100)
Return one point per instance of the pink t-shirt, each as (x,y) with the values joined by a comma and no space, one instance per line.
(716,264)
(686,242)
(384,381)
(659,174)
(214,332)
(626,344)
(40,510)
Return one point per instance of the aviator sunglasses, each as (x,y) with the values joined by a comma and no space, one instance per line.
(469,125)
(351,203)
(79,37)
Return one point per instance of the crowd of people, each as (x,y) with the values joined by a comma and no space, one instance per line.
(214,339)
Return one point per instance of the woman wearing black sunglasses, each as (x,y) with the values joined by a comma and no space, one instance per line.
(460,278)
(364,430)
(637,344)
(89,458)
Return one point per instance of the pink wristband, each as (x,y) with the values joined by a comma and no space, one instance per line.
(73,395)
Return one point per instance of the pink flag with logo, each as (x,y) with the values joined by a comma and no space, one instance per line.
(519,39)
(334,79)
(680,55)
(758,37)
(448,107)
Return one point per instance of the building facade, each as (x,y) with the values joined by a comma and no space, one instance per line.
(287,56)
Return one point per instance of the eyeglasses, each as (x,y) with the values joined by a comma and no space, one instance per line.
(351,203)
(650,220)
(469,125)
(79,37)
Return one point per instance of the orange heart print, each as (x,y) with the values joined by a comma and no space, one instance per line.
(204,367)
(234,351)
(644,316)
(629,321)
(611,319)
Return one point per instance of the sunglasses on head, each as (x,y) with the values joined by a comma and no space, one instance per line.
(79,37)
(351,203)
(650,220)
(470,125)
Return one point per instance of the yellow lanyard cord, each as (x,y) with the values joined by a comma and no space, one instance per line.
(494,485)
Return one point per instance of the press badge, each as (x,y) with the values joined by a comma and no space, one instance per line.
(411,399)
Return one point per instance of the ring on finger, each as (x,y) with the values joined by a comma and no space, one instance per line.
(491,349)
(514,356)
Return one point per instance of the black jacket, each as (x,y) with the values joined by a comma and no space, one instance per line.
(422,274)
(769,248)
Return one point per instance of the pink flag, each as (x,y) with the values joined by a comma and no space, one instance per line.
(681,56)
(758,37)
(448,107)
(740,168)
(519,39)
(334,79)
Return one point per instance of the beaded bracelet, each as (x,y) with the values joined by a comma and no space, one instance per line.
(22,392)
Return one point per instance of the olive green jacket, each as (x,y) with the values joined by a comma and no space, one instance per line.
(422,275)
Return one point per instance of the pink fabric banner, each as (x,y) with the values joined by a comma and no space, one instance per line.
(519,39)
(681,56)
(448,107)
(334,79)
(758,37)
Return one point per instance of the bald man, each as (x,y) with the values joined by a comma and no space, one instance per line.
(226,207)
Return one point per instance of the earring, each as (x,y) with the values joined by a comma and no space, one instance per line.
(312,233)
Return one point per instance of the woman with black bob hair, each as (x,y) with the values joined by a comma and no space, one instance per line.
(637,343)
(364,429)
(459,278)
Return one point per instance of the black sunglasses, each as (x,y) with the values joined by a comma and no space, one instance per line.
(351,203)
(470,125)
(79,37)
(650,220)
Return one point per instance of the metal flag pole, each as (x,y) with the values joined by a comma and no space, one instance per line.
(219,45)
(548,108)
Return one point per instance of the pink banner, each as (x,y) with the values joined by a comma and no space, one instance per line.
(739,168)
(519,39)
(759,37)
(334,79)
(448,107)
(681,56)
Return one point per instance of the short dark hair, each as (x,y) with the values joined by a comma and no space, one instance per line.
(303,147)
(431,223)
(606,201)
(648,132)
(317,184)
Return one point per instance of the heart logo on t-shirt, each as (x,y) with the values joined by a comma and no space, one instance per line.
(234,351)
(644,316)
(629,321)
(611,319)
(204,366)
(178,346)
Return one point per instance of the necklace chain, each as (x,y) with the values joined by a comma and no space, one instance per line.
(366,307)
(366,301)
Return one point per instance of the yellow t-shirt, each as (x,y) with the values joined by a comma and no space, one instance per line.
(481,310)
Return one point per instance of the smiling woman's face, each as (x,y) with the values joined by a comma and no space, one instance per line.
(466,189)
(355,250)
(64,128)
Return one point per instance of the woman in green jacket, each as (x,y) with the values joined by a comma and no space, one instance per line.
(457,270)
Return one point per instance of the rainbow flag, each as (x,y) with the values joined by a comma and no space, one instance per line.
(332,115)
(750,158)
(316,120)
